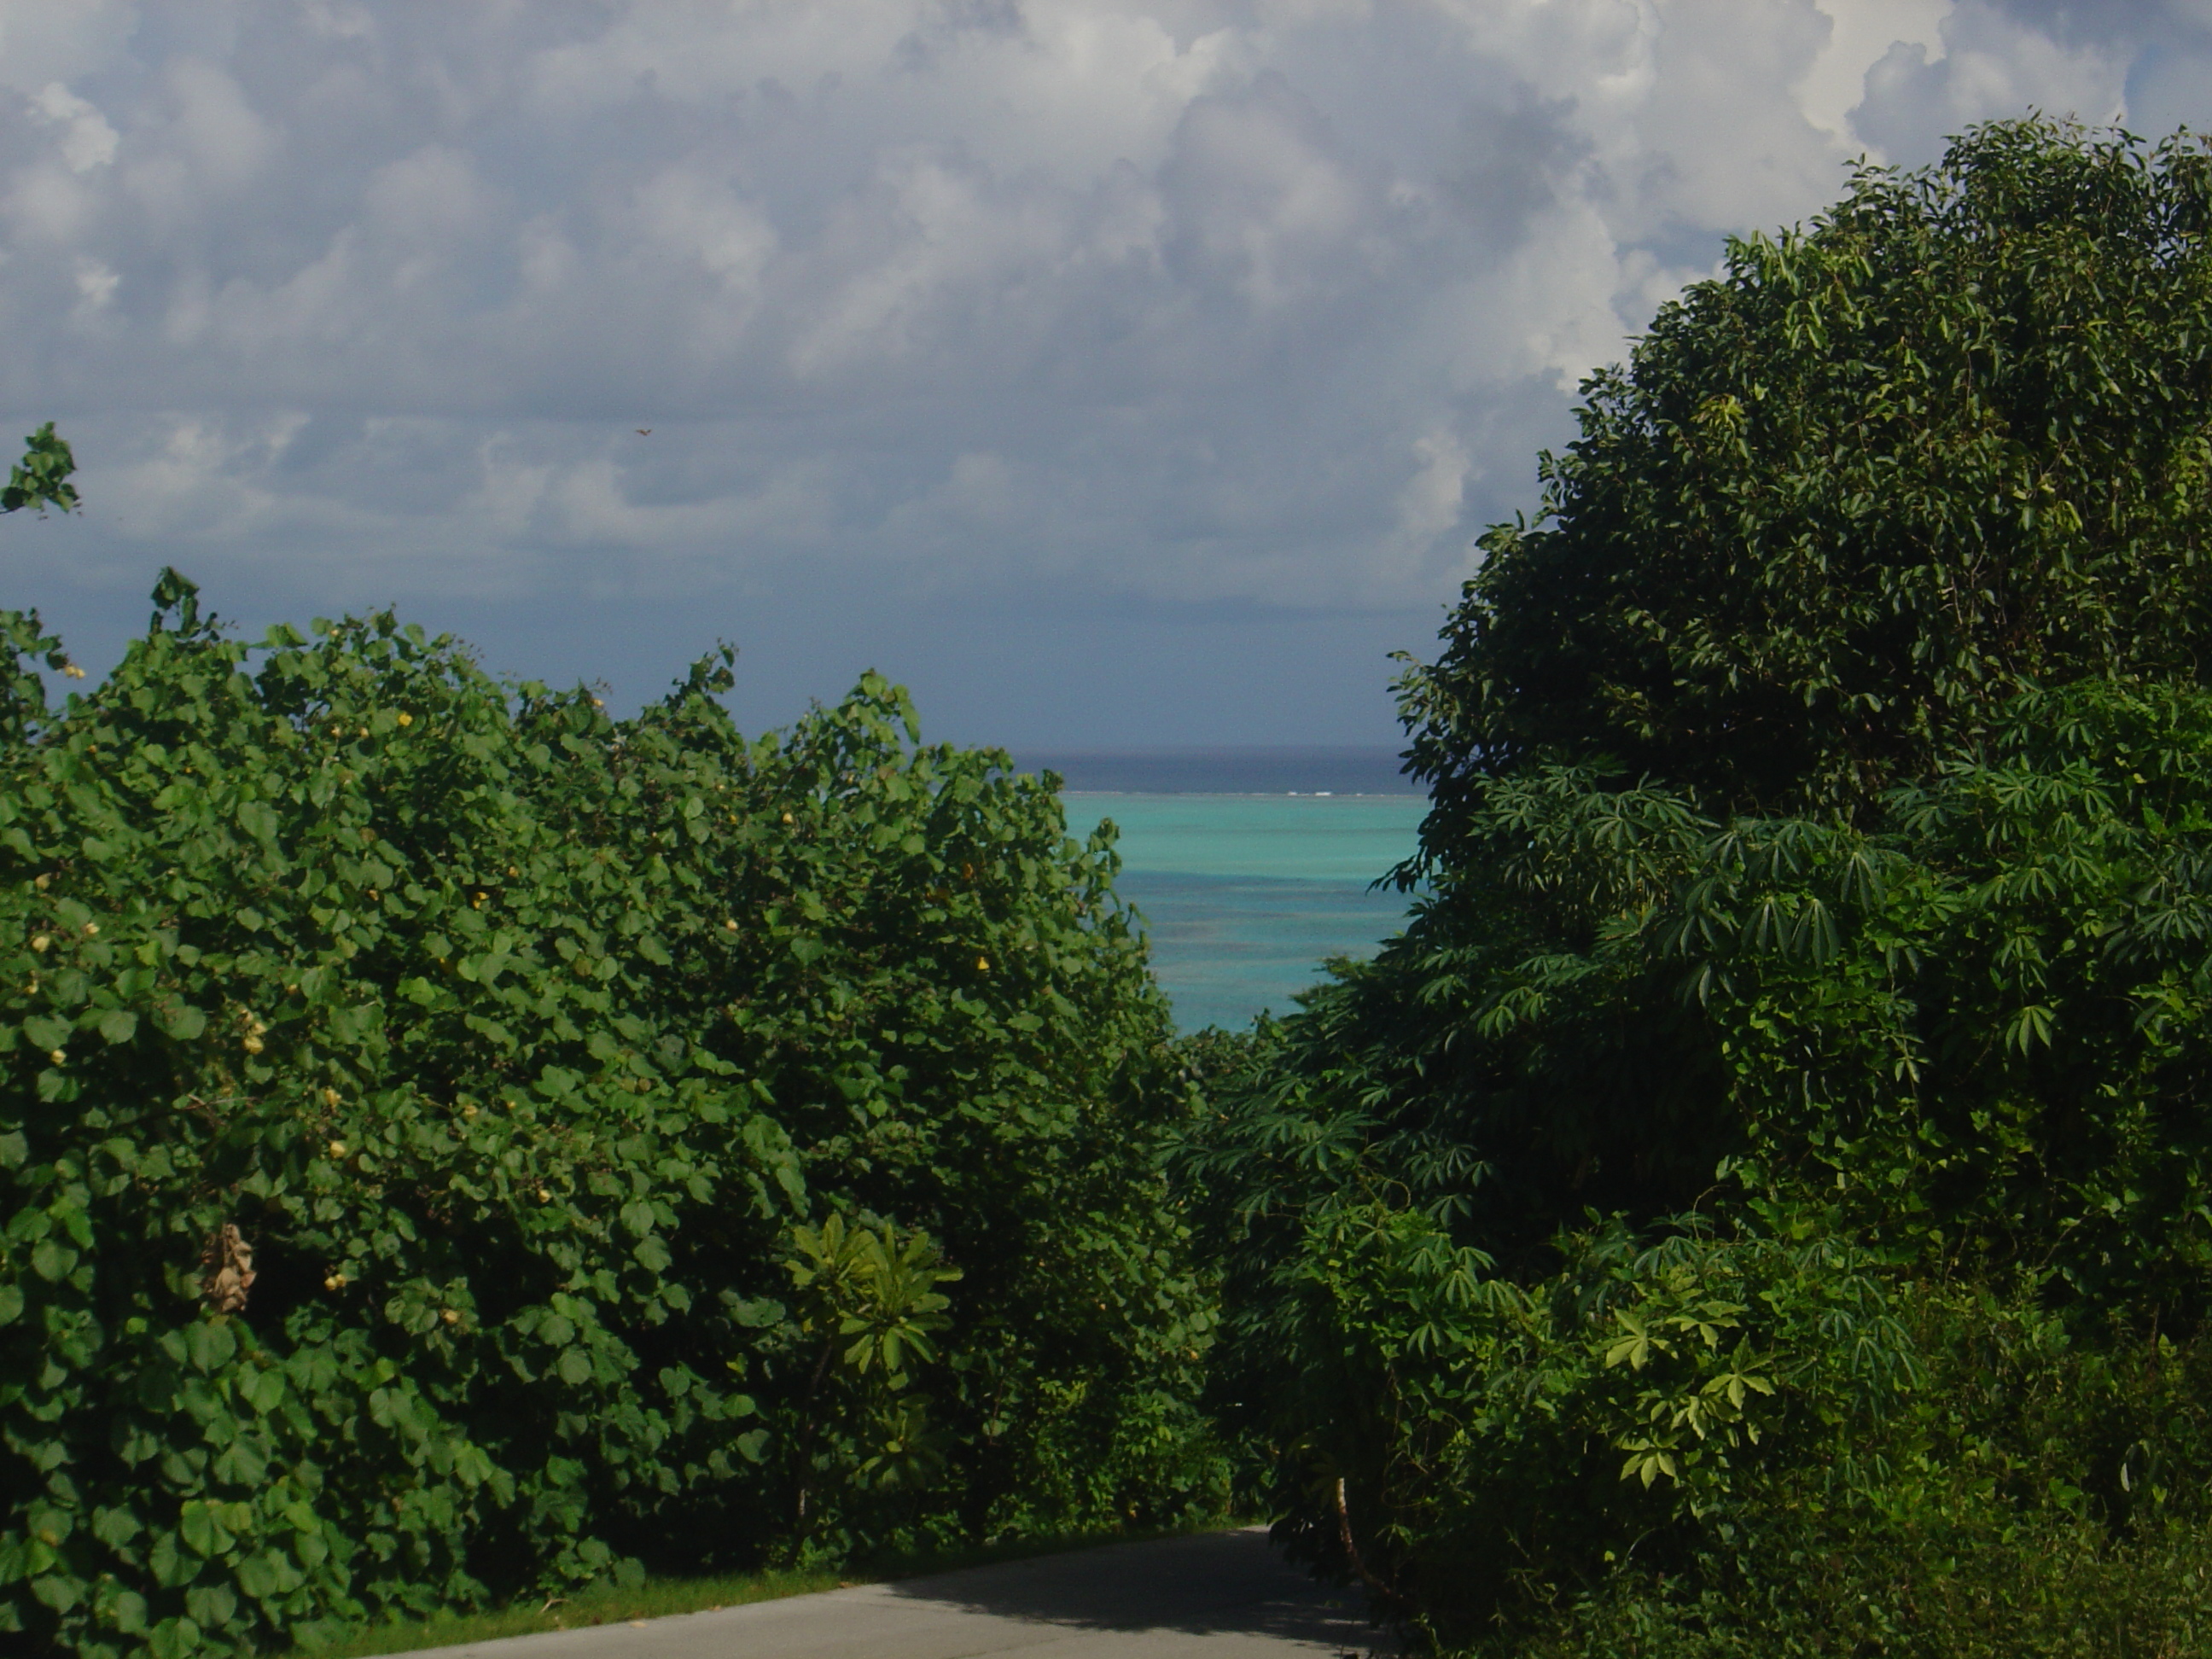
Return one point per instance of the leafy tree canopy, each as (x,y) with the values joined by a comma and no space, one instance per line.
(1848,497)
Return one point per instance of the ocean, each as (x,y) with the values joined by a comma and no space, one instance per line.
(1250,867)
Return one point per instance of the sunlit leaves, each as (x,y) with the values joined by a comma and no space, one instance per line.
(516,1041)
(41,478)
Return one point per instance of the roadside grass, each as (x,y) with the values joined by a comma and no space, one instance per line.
(603,1604)
(660,1598)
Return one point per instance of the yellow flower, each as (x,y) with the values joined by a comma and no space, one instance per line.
(982,964)
(450,1316)
(406,719)
(330,1097)
(337,1149)
(59,1056)
(254,1045)
(335,1282)
(731,925)
(91,928)
(39,942)
(786,817)
(74,673)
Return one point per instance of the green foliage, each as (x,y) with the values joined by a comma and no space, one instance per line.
(41,479)
(1966,1041)
(1691,1446)
(574,1087)
(1852,495)
(870,1304)
(1762,1204)
(1977,1025)
(23,645)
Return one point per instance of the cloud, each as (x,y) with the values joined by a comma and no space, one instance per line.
(1163,302)
(1988,59)
(87,140)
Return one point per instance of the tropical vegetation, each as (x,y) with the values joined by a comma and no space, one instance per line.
(454,1142)
(1760,1205)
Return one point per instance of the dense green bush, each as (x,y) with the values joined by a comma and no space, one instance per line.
(1762,1204)
(1977,1026)
(1810,1077)
(1750,1445)
(642,1143)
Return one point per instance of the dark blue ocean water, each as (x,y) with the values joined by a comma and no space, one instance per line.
(1245,894)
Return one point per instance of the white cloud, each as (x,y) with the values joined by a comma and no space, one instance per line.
(87,140)
(1176,301)
(212,123)
(1989,63)
(1862,33)
(95,285)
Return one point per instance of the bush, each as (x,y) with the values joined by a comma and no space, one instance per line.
(1813,1081)
(453,1141)
(1976,1025)
(2023,1493)
(1683,1443)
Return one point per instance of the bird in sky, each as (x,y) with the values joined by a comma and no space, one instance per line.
(644,432)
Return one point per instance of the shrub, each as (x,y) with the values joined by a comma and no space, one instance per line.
(429,1105)
(1804,1076)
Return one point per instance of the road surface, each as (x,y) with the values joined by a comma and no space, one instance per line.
(1218,1595)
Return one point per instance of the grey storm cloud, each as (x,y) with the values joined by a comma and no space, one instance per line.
(1176,303)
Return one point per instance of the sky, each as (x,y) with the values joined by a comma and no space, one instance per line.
(1114,376)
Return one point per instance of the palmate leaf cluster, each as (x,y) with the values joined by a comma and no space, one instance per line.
(1644,1201)
(541,1061)
(1762,1203)
(1979,1025)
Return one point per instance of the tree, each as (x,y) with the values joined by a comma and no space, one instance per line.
(1800,1021)
(41,479)
(1845,499)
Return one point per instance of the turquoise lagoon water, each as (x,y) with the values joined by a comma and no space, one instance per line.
(1244,896)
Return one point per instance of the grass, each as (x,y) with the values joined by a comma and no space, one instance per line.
(659,1598)
(606,1604)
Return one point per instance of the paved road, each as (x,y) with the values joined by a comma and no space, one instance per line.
(1220,1595)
